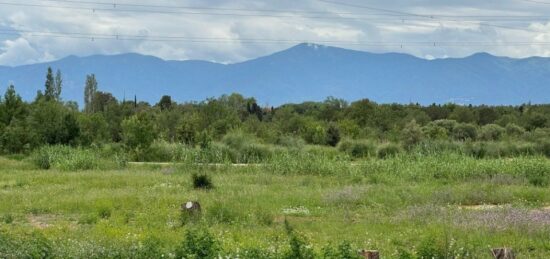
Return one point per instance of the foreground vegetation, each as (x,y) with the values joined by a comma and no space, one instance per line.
(407,206)
(241,131)
(310,180)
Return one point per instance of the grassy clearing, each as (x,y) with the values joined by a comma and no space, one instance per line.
(447,204)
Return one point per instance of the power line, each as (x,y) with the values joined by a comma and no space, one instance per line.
(427,16)
(172,38)
(537,2)
(115,5)
(272,12)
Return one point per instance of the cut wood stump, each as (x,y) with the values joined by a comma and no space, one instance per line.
(191,209)
(370,254)
(503,253)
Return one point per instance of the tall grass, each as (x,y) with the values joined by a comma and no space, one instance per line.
(67,158)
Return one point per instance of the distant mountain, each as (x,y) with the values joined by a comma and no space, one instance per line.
(306,72)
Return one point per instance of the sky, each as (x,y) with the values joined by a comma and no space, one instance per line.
(230,31)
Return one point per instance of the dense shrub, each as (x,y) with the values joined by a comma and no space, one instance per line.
(433,131)
(357,148)
(491,132)
(221,214)
(138,131)
(198,243)
(465,131)
(448,125)
(544,148)
(291,142)
(513,130)
(342,251)
(333,135)
(412,134)
(299,249)
(33,245)
(201,181)
(433,147)
(388,150)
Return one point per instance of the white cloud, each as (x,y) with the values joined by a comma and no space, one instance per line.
(20,51)
(367,26)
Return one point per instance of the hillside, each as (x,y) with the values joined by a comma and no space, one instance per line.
(304,72)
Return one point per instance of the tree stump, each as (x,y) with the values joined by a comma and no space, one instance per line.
(370,254)
(190,210)
(503,253)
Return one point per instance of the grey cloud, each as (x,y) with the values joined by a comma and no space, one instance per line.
(26,48)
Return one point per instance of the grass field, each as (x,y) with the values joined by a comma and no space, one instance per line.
(442,206)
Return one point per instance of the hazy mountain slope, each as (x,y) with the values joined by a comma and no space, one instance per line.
(304,72)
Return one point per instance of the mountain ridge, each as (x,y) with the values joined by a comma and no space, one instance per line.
(305,72)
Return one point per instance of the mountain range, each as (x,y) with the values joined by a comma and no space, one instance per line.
(306,72)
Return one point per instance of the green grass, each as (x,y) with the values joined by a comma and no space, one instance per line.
(422,205)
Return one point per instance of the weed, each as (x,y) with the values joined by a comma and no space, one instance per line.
(202,181)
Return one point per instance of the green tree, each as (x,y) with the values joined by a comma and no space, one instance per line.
(491,132)
(536,120)
(58,85)
(412,134)
(12,106)
(90,90)
(333,135)
(102,100)
(17,137)
(165,102)
(71,129)
(49,91)
(93,129)
(487,115)
(434,131)
(138,131)
(465,131)
(47,119)
(463,114)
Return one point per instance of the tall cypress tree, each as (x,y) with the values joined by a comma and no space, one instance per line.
(89,93)
(49,92)
(58,84)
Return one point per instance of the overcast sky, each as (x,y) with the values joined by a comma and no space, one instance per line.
(230,31)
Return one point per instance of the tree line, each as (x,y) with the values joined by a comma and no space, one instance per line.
(49,120)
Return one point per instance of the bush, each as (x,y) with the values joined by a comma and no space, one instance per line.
(429,248)
(291,142)
(299,249)
(388,150)
(537,176)
(412,134)
(198,243)
(238,139)
(33,245)
(104,212)
(8,219)
(513,130)
(448,125)
(220,213)
(42,159)
(492,132)
(138,131)
(357,148)
(343,251)
(88,219)
(465,131)
(434,131)
(201,181)
(544,148)
(333,135)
